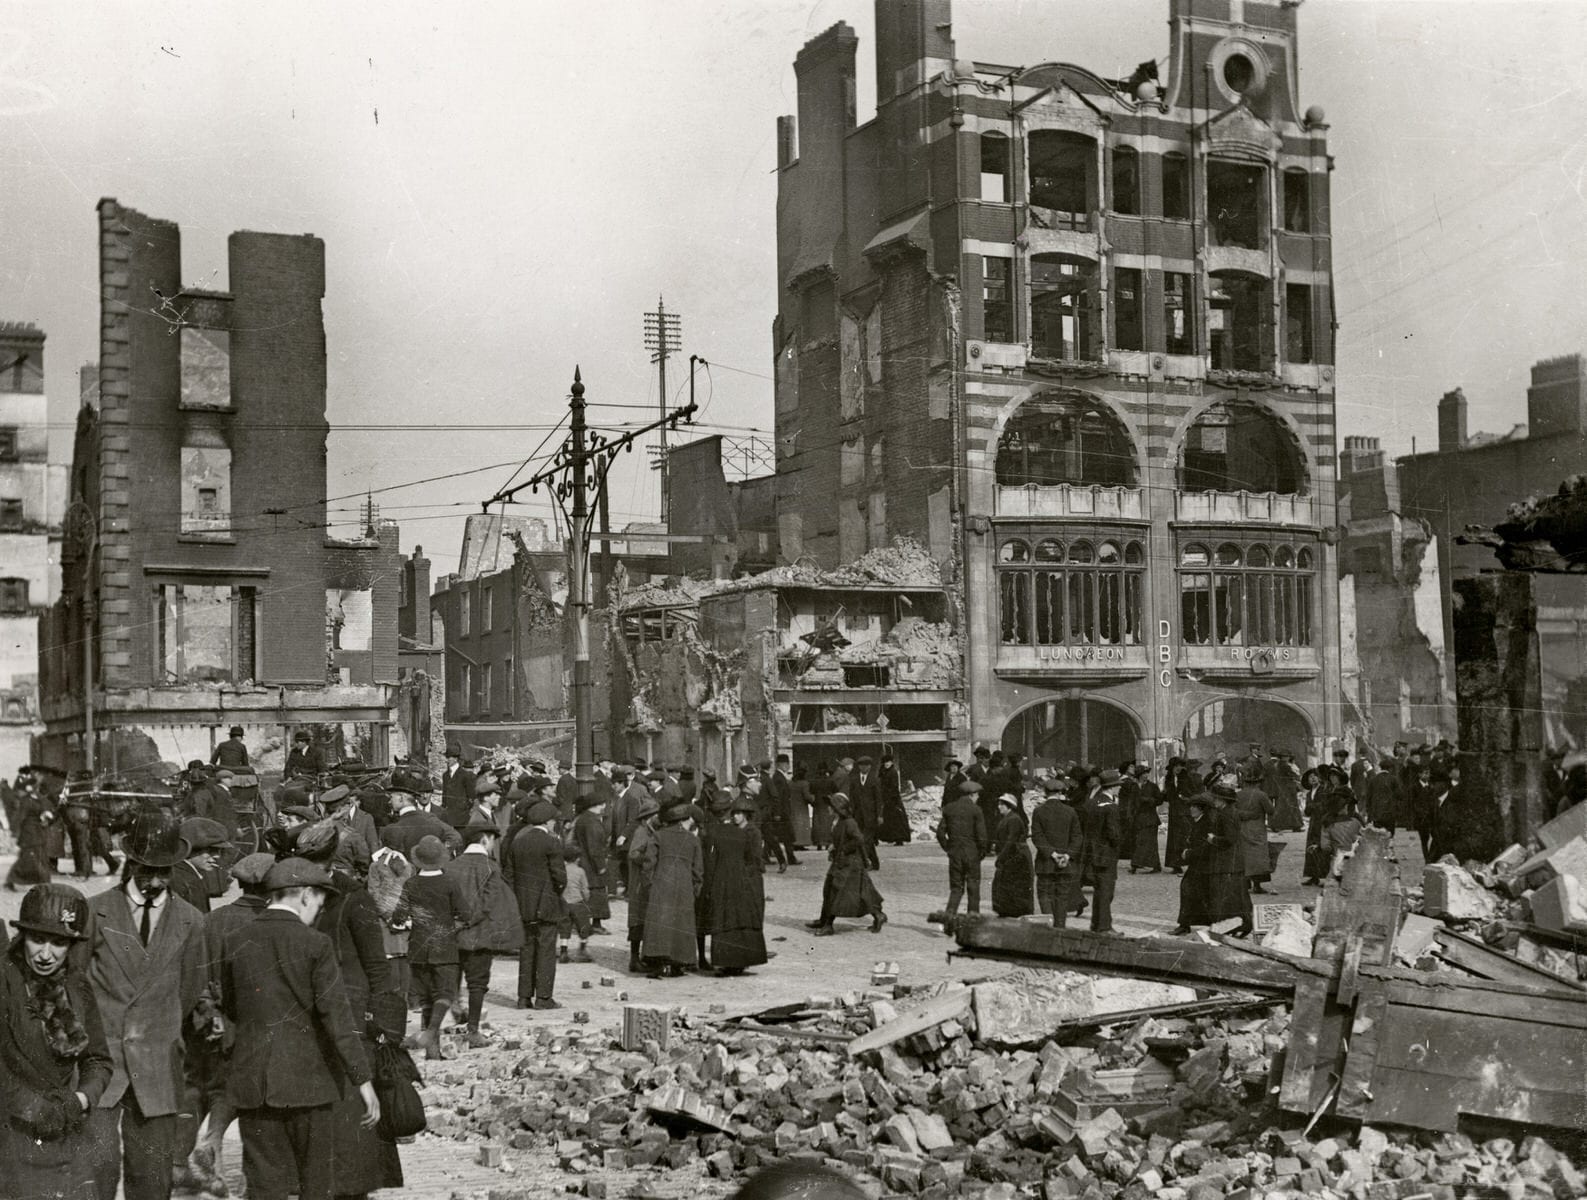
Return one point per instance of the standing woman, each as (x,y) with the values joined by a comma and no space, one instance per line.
(799,801)
(1014,876)
(1213,888)
(675,873)
(737,892)
(641,859)
(1254,807)
(821,789)
(52,1054)
(1314,801)
(894,825)
(1177,792)
(1145,822)
(34,816)
(848,890)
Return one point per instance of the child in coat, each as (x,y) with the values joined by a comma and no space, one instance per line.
(576,898)
(435,904)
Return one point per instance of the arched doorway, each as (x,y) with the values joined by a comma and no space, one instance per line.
(1230,725)
(1078,730)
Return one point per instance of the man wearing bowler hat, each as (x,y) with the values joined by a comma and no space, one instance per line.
(146,966)
(233,752)
(535,870)
(296,1038)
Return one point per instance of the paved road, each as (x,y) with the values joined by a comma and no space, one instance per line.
(913,881)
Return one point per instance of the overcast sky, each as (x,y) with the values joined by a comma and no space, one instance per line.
(504,188)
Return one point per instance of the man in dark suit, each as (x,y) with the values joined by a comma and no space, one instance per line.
(411,825)
(1383,795)
(537,873)
(866,798)
(192,878)
(776,812)
(1056,835)
(296,1039)
(457,789)
(1102,825)
(146,966)
(342,804)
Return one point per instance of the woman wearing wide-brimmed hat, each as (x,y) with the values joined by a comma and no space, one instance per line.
(737,891)
(674,869)
(1213,887)
(52,1054)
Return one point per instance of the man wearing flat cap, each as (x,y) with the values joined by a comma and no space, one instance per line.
(295,1038)
(190,879)
(146,966)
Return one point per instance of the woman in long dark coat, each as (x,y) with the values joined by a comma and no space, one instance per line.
(737,891)
(675,872)
(848,890)
(365,1161)
(590,836)
(641,846)
(821,789)
(1180,782)
(1254,807)
(893,827)
(1144,824)
(1014,876)
(35,814)
(53,1057)
(1318,811)
(1214,888)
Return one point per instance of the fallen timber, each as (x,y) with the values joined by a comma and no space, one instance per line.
(1369,1041)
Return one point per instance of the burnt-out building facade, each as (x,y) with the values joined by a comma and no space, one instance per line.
(199,569)
(1075,336)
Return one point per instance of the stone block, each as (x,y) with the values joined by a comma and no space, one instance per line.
(1450,891)
(646,1023)
(1560,904)
(1567,827)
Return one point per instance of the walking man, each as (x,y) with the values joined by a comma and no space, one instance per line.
(295,1038)
(963,835)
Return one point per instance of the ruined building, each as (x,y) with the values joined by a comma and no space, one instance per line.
(1074,335)
(421,665)
(203,579)
(32,494)
(1472,479)
(1391,602)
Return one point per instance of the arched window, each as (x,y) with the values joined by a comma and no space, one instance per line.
(1085,594)
(1246,595)
(1126,181)
(1054,439)
(1062,176)
(994,166)
(1241,447)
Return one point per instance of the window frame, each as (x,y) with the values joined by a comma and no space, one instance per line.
(1071,597)
(1136,308)
(10,443)
(1249,599)
(13,514)
(1076,299)
(14,597)
(1002,305)
(1176,186)
(999,143)
(1124,168)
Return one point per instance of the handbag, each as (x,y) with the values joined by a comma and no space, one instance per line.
(394,1074)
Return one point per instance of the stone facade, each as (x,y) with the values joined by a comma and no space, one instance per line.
(1073,335)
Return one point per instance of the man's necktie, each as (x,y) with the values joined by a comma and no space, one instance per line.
(143,923)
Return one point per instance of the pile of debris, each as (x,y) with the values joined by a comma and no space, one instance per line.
(1523,916)
(906,563)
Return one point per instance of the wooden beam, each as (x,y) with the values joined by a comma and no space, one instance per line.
(1469,954)
(947,1007)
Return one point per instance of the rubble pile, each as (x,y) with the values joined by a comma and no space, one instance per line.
(903,564)
(1153,1106)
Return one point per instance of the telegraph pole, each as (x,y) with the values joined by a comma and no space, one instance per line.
(663,335)
(582,463)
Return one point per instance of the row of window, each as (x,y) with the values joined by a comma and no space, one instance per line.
(1065,321)
(1080,593)
(463,680)
(1062,164)
(465,610)
(1086,593)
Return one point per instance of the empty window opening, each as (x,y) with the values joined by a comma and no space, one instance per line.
(1079,593)
(1176,187)
(1245,595)
(1235,210)
(8,443)
(11,517)
(1236,447)
(1238,73)
(997,299)
(1297,201)
(1126,181)
(1297,323)
(1062,297)
(994,167)
(1055,439)
(866,675)
(1237,316)
(204,634)
(1061,169)
(1179,330)
(1129,329)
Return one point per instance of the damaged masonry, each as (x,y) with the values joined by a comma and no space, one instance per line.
(817,664)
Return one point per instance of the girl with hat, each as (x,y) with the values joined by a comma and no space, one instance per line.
(848,890)
(1213,887)
(1014,876)
(736,894)
(674,870)
(53,1055)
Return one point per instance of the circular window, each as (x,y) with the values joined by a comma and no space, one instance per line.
(1238,73)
